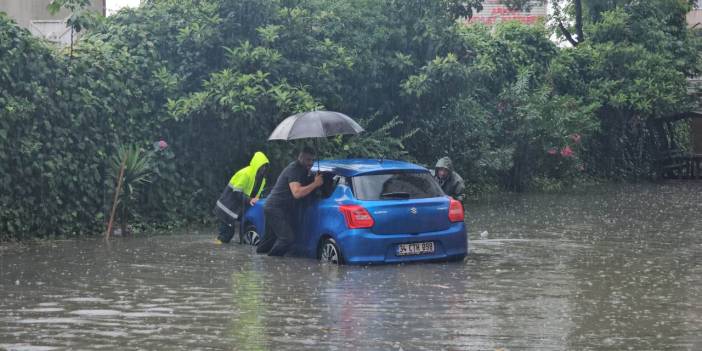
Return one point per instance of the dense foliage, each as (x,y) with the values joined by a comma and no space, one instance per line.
(213,78)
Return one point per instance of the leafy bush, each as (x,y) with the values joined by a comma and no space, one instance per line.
(214,77)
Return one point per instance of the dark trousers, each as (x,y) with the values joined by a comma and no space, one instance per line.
(279,236)
(228,228)
(227,231)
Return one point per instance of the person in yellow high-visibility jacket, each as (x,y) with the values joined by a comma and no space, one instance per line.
(244,189)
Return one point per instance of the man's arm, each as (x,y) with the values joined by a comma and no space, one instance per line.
(460,190)
(299,191)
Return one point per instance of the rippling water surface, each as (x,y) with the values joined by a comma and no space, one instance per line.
(611,268)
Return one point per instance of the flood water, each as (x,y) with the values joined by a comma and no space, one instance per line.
(610,268)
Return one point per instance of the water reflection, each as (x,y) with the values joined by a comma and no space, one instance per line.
(614,268)
(247,324)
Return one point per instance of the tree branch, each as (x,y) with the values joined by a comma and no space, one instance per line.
(579,20)
(567,34)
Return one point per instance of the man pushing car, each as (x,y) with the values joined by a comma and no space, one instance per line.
(293,184)
(451,183)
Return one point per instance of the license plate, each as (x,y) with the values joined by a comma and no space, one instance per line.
(415,248)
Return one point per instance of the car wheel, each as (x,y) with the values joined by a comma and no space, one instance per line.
(329,252)
(250,236)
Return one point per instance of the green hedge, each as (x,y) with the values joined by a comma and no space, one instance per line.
(214,77)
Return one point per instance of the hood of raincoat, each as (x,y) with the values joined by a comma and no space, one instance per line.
(444,162)
(245,178)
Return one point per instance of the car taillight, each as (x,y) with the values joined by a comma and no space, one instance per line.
(455,211)
(356,216)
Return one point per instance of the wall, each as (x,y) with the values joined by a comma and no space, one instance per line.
(34,16)
(694,18)
(494,12)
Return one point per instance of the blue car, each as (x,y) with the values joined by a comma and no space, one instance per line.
(372,211)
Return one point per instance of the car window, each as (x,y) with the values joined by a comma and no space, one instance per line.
(341,180)
(330,183)
(396,185)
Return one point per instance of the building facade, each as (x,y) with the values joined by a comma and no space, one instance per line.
(34,16)
(494,12)
(694,18)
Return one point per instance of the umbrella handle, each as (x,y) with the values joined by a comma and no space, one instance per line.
(316,145)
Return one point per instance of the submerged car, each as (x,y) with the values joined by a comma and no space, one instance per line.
(372,211)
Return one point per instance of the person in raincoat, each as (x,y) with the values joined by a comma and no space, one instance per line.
(244,189)
(450,181)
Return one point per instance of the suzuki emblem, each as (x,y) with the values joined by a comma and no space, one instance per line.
(413,210)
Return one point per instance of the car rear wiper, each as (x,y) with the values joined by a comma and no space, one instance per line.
(397,194)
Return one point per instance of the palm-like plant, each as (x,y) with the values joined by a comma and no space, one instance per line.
(138,169)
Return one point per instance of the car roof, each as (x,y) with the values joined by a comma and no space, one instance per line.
(357,166)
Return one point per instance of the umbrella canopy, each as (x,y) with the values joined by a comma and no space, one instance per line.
(315,124)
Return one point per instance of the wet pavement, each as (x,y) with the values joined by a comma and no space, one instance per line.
(610,268)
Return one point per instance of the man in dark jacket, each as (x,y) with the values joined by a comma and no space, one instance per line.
(244,189)
(293,184)
(450,181)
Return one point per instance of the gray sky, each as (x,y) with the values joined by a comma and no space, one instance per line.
(114,5)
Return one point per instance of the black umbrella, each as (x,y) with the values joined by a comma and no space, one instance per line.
(315,124)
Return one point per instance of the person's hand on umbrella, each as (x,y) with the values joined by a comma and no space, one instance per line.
(318,180)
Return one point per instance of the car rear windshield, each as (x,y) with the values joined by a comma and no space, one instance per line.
(394,186)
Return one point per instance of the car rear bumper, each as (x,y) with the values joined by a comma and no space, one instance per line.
(363,247)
